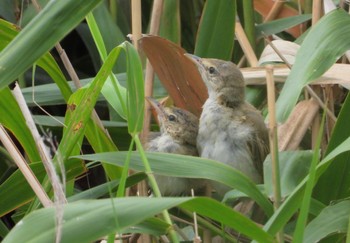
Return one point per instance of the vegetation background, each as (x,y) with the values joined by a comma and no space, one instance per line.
(97,120)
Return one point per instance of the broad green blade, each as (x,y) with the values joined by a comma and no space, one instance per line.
(323,45)
(114,93)
(136,91)
(117,214)
(279,25)
(105,188)
(56,20)
(339,170)
(170,23)
(333,219)
(305,204)
(3,229)
(292,203)
(83,106)
(188,166)
(12,118)
(294,166)
(15,191)
(216,32)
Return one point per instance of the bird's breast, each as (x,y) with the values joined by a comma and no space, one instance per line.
(223,135)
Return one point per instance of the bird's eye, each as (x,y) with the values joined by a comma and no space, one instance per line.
(171,118)
(211,70)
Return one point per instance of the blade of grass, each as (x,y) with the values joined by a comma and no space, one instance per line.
(323,45)
(304,210)
(80,216)
(216,31)
(56,20)
(113,92)
(292,203)
(189,167)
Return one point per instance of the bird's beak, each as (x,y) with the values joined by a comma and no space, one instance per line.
(193,58)
(157,106)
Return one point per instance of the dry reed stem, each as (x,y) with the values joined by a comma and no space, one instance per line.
(246,47)
(308,88)
(24,168)
(136,35)
(336,75)
(136,22)
(317,11)
(273,141)
(59,194)
(149,76)
(43,152)
(275,10)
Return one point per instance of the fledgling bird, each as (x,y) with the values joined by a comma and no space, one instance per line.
(230,130)
(178,135)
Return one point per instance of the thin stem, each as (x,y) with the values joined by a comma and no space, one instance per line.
(149,76)
(275,10)
(308,88)
(24,168)
(44,154)
(273,141)
(245,44)
(121,188)
(317,10)
(154,185)
(136,22)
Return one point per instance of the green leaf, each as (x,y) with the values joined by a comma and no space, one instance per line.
(279,25)
(170,24)
(7,10)
(114,93)
(119,214)
(305,205)
(15,191)
(339,170)
(12,118)
(106,188)
(188,166)
(82,108)
(333,219)
(323,45)
(56,20)
(136,91)
(294,166)
(216,31)
(292,203)
(110,33)
(3,229)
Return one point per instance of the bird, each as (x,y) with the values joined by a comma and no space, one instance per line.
(231,130)
(178,135)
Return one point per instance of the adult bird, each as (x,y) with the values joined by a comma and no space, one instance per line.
(230,130)
(178,135)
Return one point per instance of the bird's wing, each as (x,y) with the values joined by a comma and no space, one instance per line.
(259,142)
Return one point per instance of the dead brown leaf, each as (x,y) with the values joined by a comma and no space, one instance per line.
(293,130)
(177,73)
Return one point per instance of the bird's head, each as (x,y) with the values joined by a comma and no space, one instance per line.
(180,124)
(223,79)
